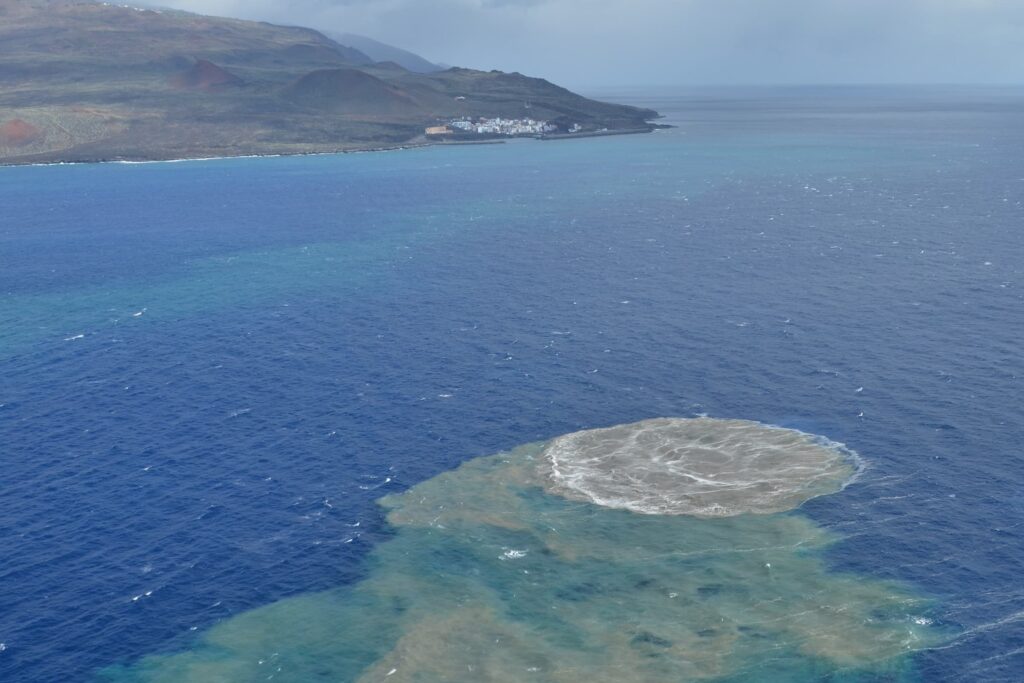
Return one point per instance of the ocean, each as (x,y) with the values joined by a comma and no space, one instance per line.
(235,393)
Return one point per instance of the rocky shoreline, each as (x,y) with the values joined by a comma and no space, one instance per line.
(47,159)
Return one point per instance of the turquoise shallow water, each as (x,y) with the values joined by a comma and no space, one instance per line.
(212,371)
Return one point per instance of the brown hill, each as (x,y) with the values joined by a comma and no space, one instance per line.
(18,133)
(351,92)
(206,77)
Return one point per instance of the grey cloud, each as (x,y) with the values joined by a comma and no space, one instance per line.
(583,42)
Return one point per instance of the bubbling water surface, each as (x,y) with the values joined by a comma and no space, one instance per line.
(701,466)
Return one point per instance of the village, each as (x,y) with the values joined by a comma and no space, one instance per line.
(496,126)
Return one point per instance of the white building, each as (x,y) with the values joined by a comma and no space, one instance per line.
(502,126)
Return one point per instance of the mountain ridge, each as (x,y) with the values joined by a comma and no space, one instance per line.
(382,52)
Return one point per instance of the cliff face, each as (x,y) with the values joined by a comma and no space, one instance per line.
(86,81)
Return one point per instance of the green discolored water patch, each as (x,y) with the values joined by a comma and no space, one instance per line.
(502,571)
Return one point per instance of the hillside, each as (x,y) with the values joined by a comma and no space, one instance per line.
(83,81)
(382,52)
(351,92)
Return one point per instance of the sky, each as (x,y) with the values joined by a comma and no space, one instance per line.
(593,43)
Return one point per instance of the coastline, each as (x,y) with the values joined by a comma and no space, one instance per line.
(40,159)
(600,133)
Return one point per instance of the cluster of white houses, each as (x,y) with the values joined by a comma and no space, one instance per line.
(498,126)
(501,126)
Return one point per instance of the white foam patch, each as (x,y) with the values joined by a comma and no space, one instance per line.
(696,466)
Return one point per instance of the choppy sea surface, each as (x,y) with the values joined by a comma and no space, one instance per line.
(281,419)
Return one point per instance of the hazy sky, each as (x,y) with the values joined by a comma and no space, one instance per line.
(615,42)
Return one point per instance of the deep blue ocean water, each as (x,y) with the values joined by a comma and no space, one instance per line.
(209,371)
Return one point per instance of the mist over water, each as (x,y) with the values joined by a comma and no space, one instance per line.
(493,576)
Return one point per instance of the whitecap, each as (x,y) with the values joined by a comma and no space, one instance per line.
(513,554)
